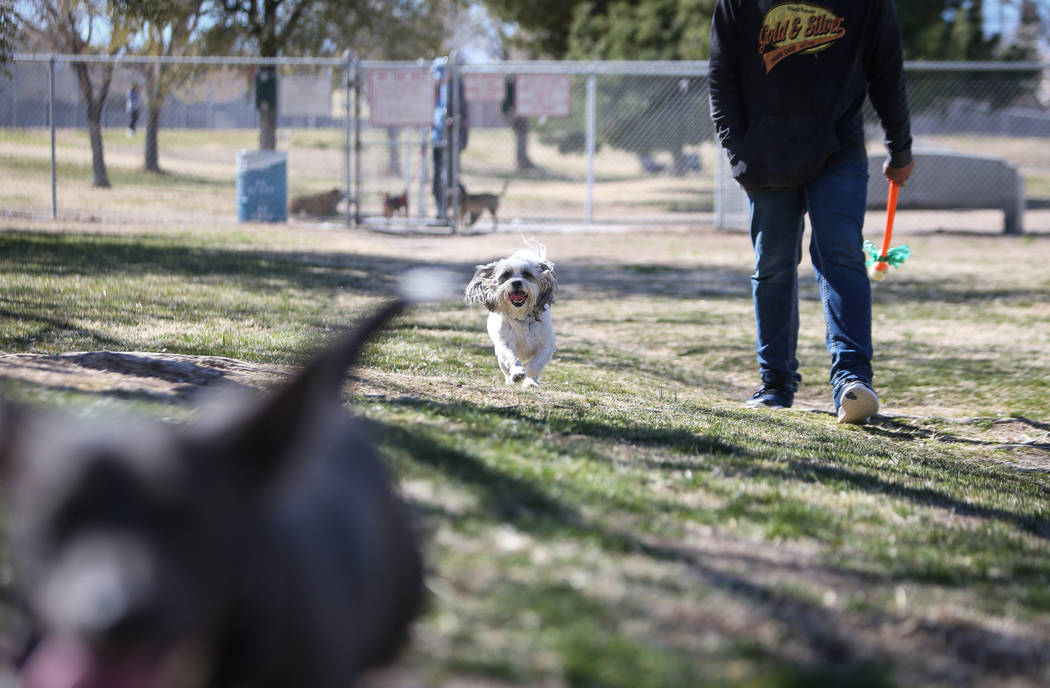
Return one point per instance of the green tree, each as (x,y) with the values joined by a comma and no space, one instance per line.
(403,30)
(266,28)
(542,29)
(654,30)
(163,28)
(8,31)
(679,29)
(650,114)
(543,25)
(957,34)
(80,27)
(275,28)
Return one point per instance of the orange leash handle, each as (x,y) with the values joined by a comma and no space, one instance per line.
(891,212)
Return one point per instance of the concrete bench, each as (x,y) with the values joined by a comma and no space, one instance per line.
(950,181)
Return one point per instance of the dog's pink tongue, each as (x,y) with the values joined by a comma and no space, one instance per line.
(66,663)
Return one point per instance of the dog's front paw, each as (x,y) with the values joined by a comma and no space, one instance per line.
(530,382)
(517,374)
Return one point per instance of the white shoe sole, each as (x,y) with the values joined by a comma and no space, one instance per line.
(857,404)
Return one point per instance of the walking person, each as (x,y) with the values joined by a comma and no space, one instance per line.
(441,134)
(787,82)
(133,106)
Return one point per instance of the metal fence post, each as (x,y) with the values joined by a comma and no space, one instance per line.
(347,67)
(453,138)
(357,142)
(590,135)
(51,117)
(14,96)
(422,174)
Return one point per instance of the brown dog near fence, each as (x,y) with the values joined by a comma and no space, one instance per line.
(395,205)
(321,204)
(472,205)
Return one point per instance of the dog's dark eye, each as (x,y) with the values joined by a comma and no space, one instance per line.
(526,274)
(505,276)
(109,495)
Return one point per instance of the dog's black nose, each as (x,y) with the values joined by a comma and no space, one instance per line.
(517,284)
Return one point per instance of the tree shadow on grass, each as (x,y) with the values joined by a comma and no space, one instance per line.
(96,254)
(778,461)
(835,640)
(56,254)
(48,327)
(900,430)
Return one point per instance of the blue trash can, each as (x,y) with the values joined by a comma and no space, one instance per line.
(262,186)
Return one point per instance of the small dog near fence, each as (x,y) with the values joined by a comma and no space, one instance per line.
(322,204)
(395,205)
(472,205)
(260,546)
(518,291)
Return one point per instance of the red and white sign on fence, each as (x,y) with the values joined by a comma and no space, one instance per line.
(543,95)
(484,88)
(402,97)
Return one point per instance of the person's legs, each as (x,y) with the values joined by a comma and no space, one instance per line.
(438,184)
(776,235)
(836,204)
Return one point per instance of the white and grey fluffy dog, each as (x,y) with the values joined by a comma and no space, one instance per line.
(519,292)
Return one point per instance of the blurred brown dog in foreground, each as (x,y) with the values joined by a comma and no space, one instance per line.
(260,546)
(322,204)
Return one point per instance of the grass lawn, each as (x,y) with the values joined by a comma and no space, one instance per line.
(630,523)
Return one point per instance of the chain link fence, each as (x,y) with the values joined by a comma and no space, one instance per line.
(554,143)
(159,140)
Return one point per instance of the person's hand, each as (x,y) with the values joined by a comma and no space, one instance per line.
(898,175)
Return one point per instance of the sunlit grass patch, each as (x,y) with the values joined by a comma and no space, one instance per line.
(630,523)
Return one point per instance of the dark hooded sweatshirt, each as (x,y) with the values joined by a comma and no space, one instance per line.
(788,80)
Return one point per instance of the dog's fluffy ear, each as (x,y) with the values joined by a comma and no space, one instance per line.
(478,292)
(548,286)
(263,444)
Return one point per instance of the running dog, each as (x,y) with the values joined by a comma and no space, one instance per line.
(518,291)
(260,546)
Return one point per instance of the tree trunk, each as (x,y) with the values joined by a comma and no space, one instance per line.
(94,115)
(154,103)
(520,125)
(267,127)
(151,159)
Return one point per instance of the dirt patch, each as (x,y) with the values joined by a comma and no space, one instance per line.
(161,376)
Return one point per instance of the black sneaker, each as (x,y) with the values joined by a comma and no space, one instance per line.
(771,396)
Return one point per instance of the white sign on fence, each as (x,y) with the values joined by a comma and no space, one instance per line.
(304,95)
(484,88)
(402,97)
(543,95)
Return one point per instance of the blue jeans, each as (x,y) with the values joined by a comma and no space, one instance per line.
(835,202)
